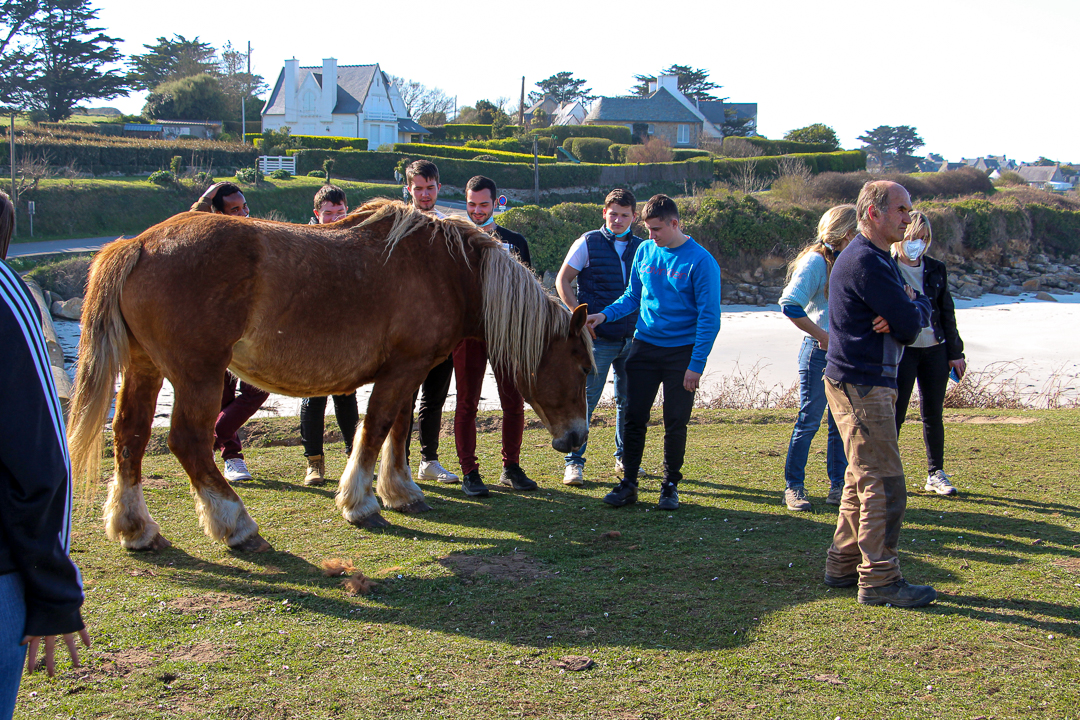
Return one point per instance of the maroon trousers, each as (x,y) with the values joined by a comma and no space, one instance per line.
(235,411)
(470,361)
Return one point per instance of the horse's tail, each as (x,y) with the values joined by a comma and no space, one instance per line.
(103,352)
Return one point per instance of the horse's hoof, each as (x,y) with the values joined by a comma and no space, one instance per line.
(415,507)
(254,544)
(159,543)
(375,520)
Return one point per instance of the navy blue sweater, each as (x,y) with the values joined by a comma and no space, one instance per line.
(35,473)
(865,283)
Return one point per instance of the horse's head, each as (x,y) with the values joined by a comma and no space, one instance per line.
(557,392)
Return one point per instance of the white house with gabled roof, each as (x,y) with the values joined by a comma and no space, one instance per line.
(341,101)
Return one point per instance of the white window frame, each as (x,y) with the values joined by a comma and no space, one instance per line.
(684,135)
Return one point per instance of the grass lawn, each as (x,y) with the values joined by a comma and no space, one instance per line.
(714,610)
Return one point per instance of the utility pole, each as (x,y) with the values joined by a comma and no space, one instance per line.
(536,174)
(243,97)
(521,105)
(14,197)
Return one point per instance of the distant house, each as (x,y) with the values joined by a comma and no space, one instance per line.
(1043,176)
(172,129)
(567,113)
(339,100)
(665,112)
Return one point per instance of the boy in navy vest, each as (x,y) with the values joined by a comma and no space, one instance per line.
(601,262)
(675,290)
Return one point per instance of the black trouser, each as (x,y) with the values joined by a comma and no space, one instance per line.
(647,368)
(313,413)
(429,418)
(930,366)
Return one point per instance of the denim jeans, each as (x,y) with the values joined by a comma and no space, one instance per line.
(812,404)
(12,654)
(608,354)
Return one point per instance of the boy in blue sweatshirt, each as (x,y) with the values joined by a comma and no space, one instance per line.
(675,289)
(873,314)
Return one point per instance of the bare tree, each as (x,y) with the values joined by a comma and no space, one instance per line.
(747,179)
(411,93)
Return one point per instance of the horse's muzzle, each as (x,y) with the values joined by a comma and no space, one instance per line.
(570,441)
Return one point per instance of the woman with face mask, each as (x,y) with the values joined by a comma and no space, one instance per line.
(805,301)
(937,352)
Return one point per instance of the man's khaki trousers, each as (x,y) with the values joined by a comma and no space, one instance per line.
(875,497)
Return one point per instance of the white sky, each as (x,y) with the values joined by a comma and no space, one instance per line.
(974,77)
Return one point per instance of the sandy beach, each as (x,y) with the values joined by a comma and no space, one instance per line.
(1021,339)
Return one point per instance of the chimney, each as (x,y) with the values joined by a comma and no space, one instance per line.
(329,90)
(652,86)
(288,91)
(670,82)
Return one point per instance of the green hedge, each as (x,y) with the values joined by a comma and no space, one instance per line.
(467,153)
(614,133)
(617,151)
(589,149)
(129,158)
(727,169)
(315,142)
(455,131)
(771,147)
(686,154)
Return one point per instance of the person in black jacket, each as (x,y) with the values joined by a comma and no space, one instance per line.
(938,350)
(40,587)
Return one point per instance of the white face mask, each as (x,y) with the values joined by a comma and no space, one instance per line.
(913,249)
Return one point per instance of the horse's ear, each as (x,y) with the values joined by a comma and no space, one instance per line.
(577,322)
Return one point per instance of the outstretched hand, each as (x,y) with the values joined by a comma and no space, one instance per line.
(592,321)
(50,650)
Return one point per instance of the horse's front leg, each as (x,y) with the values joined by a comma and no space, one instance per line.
(396,487)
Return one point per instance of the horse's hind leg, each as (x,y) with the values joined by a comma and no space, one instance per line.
(396,487)
(126,516)
(221,512)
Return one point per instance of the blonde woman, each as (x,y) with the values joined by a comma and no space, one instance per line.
(937,352)
(805,301)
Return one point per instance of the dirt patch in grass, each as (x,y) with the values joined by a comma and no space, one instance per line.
(517,567)
(989,419)
(203,653)
(126,661)
(211,601)
(1070,563)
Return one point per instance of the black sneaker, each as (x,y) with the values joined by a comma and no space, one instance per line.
(899,594)
(842,581)
(473,484)
(625,493)
(669,497)
(514,477)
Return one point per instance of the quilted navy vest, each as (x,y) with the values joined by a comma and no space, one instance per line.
(602,283)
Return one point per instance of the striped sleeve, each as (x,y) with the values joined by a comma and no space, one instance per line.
(35,470)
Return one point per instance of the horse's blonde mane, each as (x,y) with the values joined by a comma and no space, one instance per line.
(519,316)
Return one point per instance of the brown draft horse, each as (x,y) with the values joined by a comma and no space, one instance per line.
(380,297)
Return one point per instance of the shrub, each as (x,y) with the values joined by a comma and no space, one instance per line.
(614,133)
(486,158)
(176,164)
(466,153)
(759,146)
(1010,178)
(466,132)
(317,173)
(249,175)
(618,152)
(587,149)
(683,154)
(817,134)
(514,145)
(281,174)
(66,278)
(845,187)
(655,150)
(164,178)
(551,231)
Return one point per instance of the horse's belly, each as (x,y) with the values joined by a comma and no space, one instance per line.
(302,368)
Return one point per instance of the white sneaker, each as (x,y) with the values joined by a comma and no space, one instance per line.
(622,470)
(939,483)
(236,471)
(436,472)
(574,475)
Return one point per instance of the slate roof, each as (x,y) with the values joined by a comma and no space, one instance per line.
(1038,173)
(411,126)
(661,106)
(353,82)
